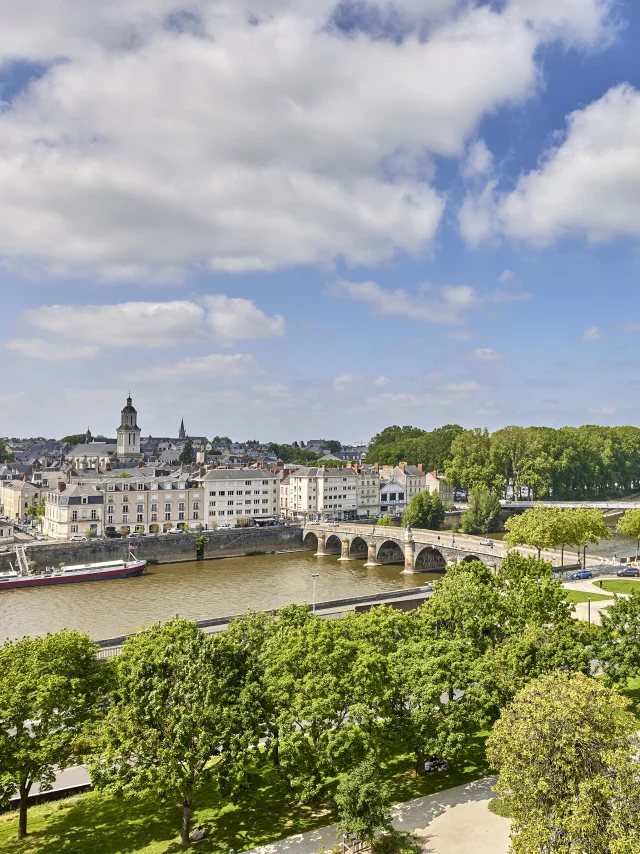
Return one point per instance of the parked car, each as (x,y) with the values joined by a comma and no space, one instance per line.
(581,575)
(628,572)
(175,531)
(77,538)
(132,535)
(40,537)
(113,535)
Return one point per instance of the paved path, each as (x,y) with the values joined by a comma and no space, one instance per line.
(456,821)
(582,608)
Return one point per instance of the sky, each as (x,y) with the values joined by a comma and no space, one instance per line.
(294,219)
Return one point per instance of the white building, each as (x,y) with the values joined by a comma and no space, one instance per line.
(245,494)
(399,484)
(436,483)
(73,509)
(311,493)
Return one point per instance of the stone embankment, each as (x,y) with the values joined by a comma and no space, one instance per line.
(165,548)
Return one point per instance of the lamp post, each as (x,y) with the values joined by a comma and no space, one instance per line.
(314,575)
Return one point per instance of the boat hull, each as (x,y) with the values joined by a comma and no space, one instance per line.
(133,569)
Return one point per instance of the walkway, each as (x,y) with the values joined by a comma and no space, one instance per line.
(455,821)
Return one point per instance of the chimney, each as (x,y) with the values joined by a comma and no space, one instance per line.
(140,464)
(377,467)
(25,478)
(402,466)
(356,468)
(420,467)
(108,466)
(61,486)
(97,466)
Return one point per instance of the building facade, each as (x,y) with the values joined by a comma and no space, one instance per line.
(399,484)
(16,496)
(314,494)
(74,509)
(232,495)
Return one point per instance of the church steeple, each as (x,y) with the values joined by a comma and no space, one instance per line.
(128,432)
(182,434)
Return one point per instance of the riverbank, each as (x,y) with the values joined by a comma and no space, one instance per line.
(165,548)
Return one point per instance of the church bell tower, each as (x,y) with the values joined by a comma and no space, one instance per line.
(128,433)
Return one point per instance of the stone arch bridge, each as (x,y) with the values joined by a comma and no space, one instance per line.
(416,551)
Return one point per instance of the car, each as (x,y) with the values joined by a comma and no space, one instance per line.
(175,531)
(581,575)
(77,538)
(132,535)
(113,535)
(40,537)
(628,572)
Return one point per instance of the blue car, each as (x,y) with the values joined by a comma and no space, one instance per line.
(581,575)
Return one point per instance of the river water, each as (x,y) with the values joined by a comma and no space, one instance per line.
(208,588)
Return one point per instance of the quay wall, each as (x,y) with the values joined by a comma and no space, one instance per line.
(165,548)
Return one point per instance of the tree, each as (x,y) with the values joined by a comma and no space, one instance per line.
(629,524)
(181,715)
(74,438)
(530,595)
(564,749)
(50,688)
(619,640)
(484,513)
(334,446)
(363,802)
(534,527)
(187,455)
(5,453)
(37,511)
(385,521)
(425,510)
(470,464)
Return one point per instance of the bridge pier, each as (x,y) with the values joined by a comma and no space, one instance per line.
(409,552)
(322,542)
(344,549)
(371,554)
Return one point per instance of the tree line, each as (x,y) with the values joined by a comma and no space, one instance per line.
(567,463)
(312,699)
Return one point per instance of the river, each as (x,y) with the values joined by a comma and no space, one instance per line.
(208,588)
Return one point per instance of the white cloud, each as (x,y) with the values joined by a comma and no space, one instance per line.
(157,324)
(486,354)
(594,333)
(38,348)
(252,136)
(604,410)
(479,160)
(589,184)
(463,388)
(631,327)
(205,367)
(446,304)
(507,276)
(351,382)
(381,381)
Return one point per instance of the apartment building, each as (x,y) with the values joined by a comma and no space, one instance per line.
(16,496)
(149,505)
(368,491)
(74,509)
(313,493)
(436,483)
(399,484)
(232,495)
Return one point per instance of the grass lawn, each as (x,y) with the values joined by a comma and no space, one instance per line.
(621,585)
(98,824)
(576,596)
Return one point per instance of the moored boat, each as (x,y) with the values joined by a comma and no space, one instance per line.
(23,576)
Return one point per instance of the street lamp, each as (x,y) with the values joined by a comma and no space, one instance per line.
(314,575)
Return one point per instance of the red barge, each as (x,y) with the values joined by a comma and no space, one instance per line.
(24,577)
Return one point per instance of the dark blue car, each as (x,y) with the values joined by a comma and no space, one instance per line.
(581,575)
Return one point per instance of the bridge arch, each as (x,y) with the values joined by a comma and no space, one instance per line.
(470,559)
(430,559)
(310,541)
(333,545)
(358,548)
(390,552)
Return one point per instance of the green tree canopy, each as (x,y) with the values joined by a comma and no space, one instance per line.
(363,801)
(182,713)
(619,639)
(470,464)
(546,527)
(50,688)
(564,749)
(187,455)
(425,510)
(484,513)
(5,453)
(413,445)
(629,524)
(386,521)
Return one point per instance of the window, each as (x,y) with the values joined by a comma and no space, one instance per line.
(181,517)
(140,517)
(265,483)
(256,501)
(247,483)
(196,505)
(195,514)
(222,492)
(247,501)
(94,514)
(125,508)
(256,492)
(154,508)
(110,487)
(140,508)
(220,513)
(125,487)
(246,492)
(181,506)
(125,518)
(212,494)
(154,517)
(229,512)
(229,502)
(265,500)
(167,517)
(141,486)
(74,529)
(110,520)
(167,508)
(84,499)
(401,496)
(74,515)
(247,512)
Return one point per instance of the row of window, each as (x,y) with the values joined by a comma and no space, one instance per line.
(235,512)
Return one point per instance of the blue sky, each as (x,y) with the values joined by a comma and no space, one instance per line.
(284,220)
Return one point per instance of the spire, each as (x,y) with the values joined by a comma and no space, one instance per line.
(181,433)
